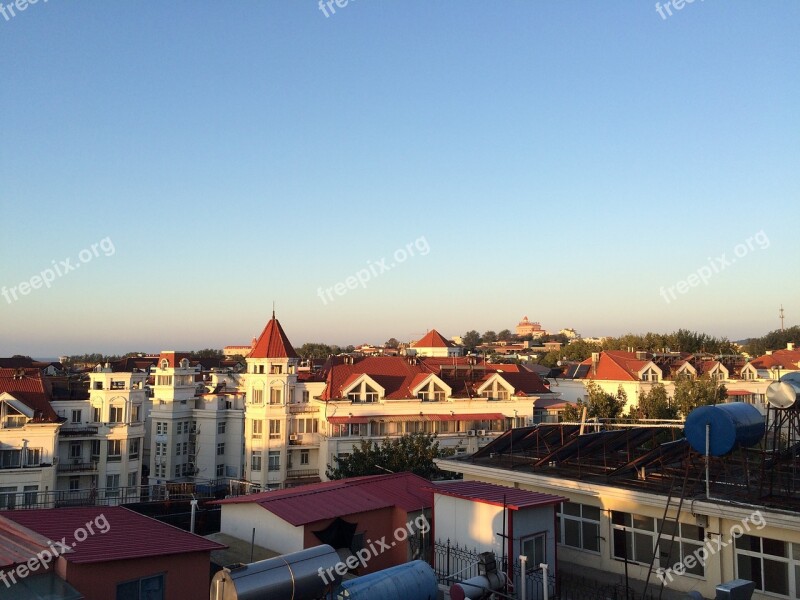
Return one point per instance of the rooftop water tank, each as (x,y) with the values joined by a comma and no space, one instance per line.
(411,581)
(732,424)
(294,576)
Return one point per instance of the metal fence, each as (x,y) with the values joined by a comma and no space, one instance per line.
(454,563)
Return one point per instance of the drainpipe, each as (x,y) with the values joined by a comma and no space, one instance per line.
(545,589)
(194,512)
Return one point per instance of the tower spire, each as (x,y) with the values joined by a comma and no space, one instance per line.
(273,309)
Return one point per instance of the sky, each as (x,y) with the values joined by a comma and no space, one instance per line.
(168,170)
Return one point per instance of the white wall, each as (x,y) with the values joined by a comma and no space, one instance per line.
(238,520)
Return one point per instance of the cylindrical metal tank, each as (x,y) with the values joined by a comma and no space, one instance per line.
(783,394)
(297,576)
(732,424)
(411,581)
(478,587)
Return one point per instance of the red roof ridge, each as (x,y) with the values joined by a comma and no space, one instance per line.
(433,339)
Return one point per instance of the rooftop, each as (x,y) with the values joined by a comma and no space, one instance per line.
(498,495)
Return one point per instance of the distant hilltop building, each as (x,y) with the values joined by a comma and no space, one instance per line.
(533,328)
(229,351)
(570,334)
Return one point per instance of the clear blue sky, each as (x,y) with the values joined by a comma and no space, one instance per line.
(564,160)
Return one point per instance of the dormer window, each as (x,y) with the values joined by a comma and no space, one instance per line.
(495,391)
(184,363)
(650,375)
(164,363)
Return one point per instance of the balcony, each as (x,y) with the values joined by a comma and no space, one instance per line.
(298,473)
(77,467)
(82,431)
(302,408)
(304,439)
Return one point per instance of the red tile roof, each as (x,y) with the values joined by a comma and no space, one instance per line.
(173,358)
(788,359)
(129,535)
(330,499)
(433,339)
(399,375)
(489,493)
(27,386)
(273,343)
(615,365)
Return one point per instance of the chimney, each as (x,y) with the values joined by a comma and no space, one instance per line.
(790,345)
(595,360)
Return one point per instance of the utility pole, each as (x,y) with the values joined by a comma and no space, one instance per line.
(781,315)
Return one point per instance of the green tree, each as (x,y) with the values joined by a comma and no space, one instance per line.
(471,339)
(489,337)
(572,412)
(206,353)
(414,452)
(316,350)
(505,335)
(391,343)
(654,404)
(603,405)
(689,393)
(774,340)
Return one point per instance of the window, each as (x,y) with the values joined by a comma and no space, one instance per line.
(136,413)
(304,457)
(534,548)
(161,428)
(258,429)
(185,448)
(133,479)
(97,414)
(650,375)
(274,429)
(30,494)
(148,588)
(133,448)
(579,526)
(276,369)
(220,470)
(114,450)
(74,483)
(274,463)
(275,396)
(75,450)
(115,414)
(255,461)
(767,562)
(307,426)
(95,449)
(179,428)
(112,485)
(633,537)
(164,380)
(688,540)
(8,497)
(305,396)
(178,449)
(76,416)
(221,449)
(221,428)
(177,470)
(258,396)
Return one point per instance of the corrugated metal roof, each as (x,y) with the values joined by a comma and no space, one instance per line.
(330,499)
(489,493)
(18,544)
(128,534)
(417,417)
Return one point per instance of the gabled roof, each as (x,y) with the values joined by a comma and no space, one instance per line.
(330,499)
(433,339)
(129,535)
(27,386)
(498,495)
(787,359)
(273,342)
(615,365)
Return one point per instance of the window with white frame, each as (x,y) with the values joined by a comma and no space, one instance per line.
(221,427)
(258,429)
(115,414)
(534,547)
(255,461)
(275,395)
(633,537)
(304,457)
(258,396)
(77,415)
(773,565)
(650,375)
(221,449)
(274,459)
(112,485)
(274,428)
(687,540)
(114,450)
(579,526)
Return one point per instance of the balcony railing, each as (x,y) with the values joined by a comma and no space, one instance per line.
(77,467)
(78,431)
(303,408)
(292,473)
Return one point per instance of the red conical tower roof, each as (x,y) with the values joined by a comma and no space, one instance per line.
(273,343)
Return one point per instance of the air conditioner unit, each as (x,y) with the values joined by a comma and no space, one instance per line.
(471,433)
(481,432)
(294,437)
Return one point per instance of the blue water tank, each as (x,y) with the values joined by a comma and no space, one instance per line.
(732,424)
(411,581)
